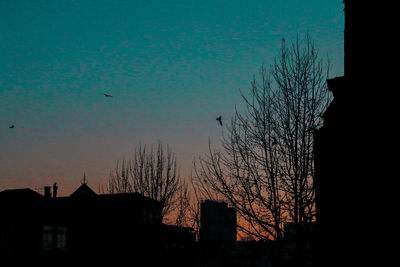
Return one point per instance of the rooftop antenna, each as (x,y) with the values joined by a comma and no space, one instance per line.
(84,181)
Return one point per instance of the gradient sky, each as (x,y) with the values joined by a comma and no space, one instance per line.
(172,67)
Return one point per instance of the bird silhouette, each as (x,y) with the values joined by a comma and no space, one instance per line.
(220,120)
(107,95)
(11,126)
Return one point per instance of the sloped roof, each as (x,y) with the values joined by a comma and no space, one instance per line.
(83,190)
(20,194)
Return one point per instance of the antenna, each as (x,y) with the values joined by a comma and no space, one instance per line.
(84,181)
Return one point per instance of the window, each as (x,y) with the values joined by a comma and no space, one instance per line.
(54,238)
(61,238)
(47,237)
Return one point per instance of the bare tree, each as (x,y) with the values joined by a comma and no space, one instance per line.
(154,174)
(183,206)
(265,167)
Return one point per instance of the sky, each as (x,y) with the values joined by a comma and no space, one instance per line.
(172,67)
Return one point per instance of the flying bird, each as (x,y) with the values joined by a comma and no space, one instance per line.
(220,120)
(107,95)
(11,126)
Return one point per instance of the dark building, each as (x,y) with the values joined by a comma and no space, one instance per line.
(217,234)
(356,149)
(217,223)
(88,226)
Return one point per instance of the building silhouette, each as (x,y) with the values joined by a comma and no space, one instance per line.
(217,224)
(113,228)
(217,234)
(355,150)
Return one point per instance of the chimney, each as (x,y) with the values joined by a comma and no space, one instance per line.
(47,192)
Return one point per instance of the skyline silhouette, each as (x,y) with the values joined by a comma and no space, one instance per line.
(299,174)
(174,68)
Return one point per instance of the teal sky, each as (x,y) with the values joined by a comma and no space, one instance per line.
(172,67)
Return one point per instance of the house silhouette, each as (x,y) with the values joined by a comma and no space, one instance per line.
(115,228)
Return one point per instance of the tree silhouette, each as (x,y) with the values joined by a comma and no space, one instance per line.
(265,167)
(154,174)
